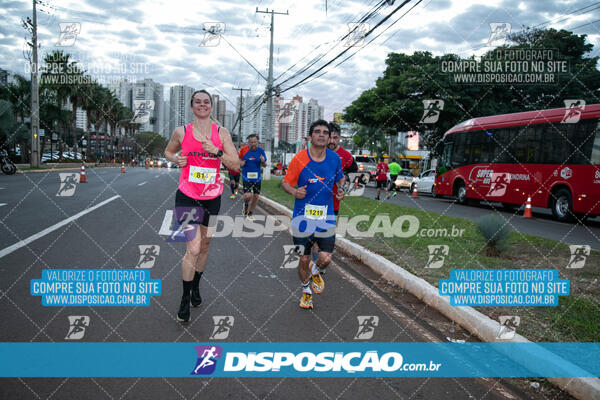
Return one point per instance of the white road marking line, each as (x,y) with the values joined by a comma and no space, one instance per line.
(165,228)
(2,204)
(52,228)
(143,183)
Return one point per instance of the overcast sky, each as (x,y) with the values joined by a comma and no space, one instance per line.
(164,39)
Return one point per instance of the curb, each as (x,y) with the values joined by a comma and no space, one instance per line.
(472,320)
(20,171)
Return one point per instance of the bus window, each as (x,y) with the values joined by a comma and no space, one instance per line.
(479,148)
(447,155)
(582,142)
(527,144)
(596,146)
(499,149)
(462,149)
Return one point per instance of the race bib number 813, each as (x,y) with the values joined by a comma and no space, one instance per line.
(202,175)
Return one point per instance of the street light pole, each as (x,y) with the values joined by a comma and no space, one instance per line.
(35,106)
(269,92)
(239,141)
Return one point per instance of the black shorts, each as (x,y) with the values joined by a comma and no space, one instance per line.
(235,178)
(252,187)
(325,244)
(381,184)
(204,209)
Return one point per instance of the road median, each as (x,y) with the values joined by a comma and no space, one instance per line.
(481,324)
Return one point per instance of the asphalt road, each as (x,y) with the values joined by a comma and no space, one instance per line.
(542,224)
(244,279)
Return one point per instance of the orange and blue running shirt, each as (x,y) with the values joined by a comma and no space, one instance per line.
(201,178)
(316,208)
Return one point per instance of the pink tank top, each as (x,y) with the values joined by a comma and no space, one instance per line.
(201,177)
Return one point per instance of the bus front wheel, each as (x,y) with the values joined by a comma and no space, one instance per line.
(461,193)
(562,205)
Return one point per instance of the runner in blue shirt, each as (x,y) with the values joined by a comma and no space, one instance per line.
(252,158)
(310,178)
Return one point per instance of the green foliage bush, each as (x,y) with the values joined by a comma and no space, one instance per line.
(495,231)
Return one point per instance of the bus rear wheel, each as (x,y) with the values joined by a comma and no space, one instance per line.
(562,205)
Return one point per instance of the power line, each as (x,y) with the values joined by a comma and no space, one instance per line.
(544,23)
(363,19)
(362,47)
(347,49)
(581,26)
(556,20)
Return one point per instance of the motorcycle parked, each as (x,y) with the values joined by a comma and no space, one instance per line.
(6,165)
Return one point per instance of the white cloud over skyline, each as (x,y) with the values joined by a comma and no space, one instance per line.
(164,38)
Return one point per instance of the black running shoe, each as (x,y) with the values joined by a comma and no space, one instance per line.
(183,315)
(195,298)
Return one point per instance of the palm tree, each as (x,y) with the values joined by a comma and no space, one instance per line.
(63,76)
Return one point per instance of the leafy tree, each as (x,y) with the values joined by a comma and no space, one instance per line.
(395,104)
(151,143)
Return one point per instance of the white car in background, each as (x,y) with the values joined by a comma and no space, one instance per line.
(425,182)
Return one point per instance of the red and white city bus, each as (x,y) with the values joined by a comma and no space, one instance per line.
(551,155)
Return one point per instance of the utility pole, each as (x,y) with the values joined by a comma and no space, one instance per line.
(240,117)
(35,106)
(269,91)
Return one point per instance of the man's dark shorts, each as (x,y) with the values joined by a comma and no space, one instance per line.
(206,208)
(252,187)
(381,184)
(325,244)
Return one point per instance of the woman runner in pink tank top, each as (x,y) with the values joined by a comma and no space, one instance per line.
(198,148)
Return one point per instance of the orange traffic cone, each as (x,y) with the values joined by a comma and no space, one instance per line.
(123,167)
(82,174)
(415,194)
(527,213)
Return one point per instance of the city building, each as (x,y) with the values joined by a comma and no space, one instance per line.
(122,91)
(253,114)
(179,106)
(149,93)
(230,118)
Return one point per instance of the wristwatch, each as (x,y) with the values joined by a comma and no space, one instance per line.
(219,153)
